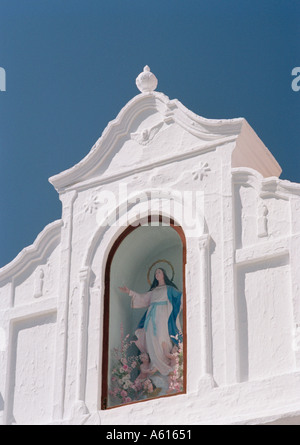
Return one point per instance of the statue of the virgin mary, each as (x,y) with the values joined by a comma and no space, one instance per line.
(159,328)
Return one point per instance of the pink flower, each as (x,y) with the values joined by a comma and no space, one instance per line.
(123,393)
(125,367)
(127,399)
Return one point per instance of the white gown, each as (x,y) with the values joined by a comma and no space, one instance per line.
(155,332)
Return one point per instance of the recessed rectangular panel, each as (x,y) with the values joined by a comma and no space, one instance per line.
(30,399)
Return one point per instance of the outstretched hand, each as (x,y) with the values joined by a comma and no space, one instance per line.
(124,289)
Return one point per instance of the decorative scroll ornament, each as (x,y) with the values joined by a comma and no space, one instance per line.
(156,263)
(146,136)
(146,81)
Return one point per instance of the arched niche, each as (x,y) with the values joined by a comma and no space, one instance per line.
(132,261)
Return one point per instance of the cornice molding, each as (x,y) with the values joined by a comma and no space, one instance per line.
(35,252)
(266,187)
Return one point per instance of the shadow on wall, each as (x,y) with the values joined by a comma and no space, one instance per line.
(1,402)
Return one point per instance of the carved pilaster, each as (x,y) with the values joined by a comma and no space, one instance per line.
(82,339)
(68,200)
(205,311)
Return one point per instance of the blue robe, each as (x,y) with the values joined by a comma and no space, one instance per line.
(174,297)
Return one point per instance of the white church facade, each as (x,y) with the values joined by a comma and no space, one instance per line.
(166,189)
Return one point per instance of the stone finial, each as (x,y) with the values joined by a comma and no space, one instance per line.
(146,81)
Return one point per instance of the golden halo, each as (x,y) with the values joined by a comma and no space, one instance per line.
(156,262)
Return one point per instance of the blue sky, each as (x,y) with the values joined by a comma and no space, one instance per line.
(71,66)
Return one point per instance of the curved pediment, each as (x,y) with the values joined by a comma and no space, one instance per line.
(150,130)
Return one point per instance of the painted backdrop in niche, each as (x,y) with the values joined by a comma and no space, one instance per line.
(146,347)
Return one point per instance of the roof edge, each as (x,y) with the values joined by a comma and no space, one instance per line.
(33,252)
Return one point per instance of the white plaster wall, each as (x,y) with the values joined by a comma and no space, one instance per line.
(265,316)
(259,216)
(264,305)
(246,216)
(279,223)
(39,280)
(29,290)
(32,362)
(171,178)
(5,294)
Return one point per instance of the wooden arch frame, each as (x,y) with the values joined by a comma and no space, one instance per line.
(105,349)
